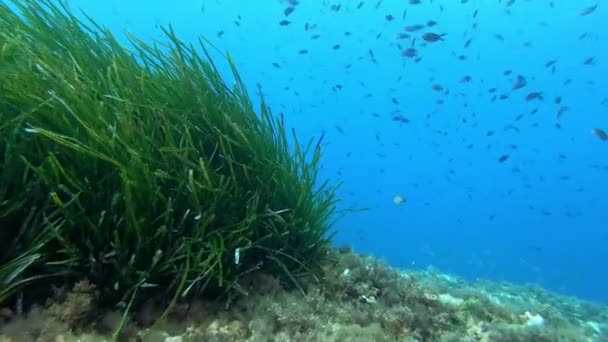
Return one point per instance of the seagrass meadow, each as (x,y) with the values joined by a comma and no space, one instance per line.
(141,171)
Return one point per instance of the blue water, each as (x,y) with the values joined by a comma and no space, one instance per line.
(540,216)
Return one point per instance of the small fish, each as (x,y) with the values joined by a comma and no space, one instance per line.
(400,118)
(512,127)
(534,95)
(503,158)
(284,22)
(562,110)
(600,134)
(437,87)
(399,199)
(520,82)
(409,53)
(432,37)
(414,28)
(288,11)
(550,63)
(588,10)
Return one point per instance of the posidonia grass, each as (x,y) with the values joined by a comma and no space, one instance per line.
(141,170)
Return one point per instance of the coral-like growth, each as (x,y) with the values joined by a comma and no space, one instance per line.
(334,310)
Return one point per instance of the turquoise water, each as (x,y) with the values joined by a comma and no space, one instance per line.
(435,127)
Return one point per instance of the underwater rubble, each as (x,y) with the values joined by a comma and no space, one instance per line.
(360,299)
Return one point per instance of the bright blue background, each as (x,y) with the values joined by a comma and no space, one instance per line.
(451,190)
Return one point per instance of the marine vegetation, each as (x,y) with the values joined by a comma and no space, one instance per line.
(360,299)
(144,198)
(139,171)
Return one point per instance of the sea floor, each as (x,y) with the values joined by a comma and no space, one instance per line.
(361,299)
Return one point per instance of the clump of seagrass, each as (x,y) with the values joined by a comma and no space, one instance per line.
(141,169)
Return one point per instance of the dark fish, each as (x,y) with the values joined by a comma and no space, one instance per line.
(589,10)
(289,10)
(409,53)
(389,17)
(284,22)
(437,87)
(400,118)
(534,96)
(414,28)
(503,158)
(431,23)
(600,134)
(520,82)
(432,37)
(561,111)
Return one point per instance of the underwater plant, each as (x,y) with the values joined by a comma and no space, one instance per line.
(140,169)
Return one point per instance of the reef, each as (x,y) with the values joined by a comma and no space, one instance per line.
(360,299)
